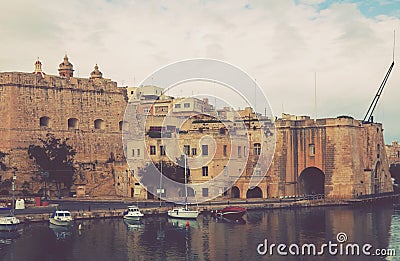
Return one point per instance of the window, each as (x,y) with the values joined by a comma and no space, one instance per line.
(257,148)
(162,150)
(225,171)
(72,123)
(99,124)
(205,171)
(194,151)
(240,171)
(225,150)
(132,92)
(186,150)
(239,151)
(138,152)
(204,150)
(147,110)
(225,191)
(121,125)
(311,148)
(152,150)
(186,105)
(244,151)
(44,121)
(133,153)
(398,154)
(205,192)
(177,106)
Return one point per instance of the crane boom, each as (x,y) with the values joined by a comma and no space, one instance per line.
(369,117)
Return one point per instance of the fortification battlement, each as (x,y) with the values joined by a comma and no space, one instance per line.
(56,82)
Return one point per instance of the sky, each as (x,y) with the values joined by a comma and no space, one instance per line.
(341,49)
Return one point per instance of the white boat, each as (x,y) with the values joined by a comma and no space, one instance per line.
(183,212)
(61,218)
(133,213)
(9,223)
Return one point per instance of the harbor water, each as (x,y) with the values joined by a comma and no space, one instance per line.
(162,238)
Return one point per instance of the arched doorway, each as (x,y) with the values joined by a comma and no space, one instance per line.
(254,193)
(312,181)
(235,192)
(376,178)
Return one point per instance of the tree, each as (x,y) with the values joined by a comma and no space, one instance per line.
(56,158)
(3,166)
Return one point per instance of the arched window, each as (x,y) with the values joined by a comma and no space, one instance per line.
(72,123)
(44,121)
(121,125)
(257,148)
(99,124)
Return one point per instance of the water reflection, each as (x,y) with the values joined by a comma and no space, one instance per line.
(161,238)
(133,225)
(61,232)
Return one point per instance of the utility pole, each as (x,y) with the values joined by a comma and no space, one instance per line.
(13,189)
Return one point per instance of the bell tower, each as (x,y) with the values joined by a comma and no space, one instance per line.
(65,69)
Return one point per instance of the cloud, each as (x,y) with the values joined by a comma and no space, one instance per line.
(280,43)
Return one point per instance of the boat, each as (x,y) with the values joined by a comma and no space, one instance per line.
(232,213)
(183,212)
(133,213)
(61,218)
(8,222)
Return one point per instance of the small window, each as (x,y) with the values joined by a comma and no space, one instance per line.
(311,148)
(186,150)
(132,92)
(257,148)
(138,152)
(133,153)
(240,171)
(225,171)
(162,150)
(147,110)
(244,151)
(44,121)
(204,150)
(120,125)
(225,150)
(177,106)
(194,151)
(152,150)
(205,192)
(72,123)
(239,151)
(99,124)
(186,105)
(205,171)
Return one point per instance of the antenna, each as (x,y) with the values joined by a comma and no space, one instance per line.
(315,95)
(255,96)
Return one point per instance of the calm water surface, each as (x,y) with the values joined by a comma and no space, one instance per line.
(160,238)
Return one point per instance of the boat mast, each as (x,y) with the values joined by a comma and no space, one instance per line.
(185,183)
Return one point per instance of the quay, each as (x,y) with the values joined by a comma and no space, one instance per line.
(43,213)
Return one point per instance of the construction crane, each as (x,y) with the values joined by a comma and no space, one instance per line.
(369,118)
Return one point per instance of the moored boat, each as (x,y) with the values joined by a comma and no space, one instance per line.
(9,223)
(133,213)
(183,212)
(61,218)
(231,212)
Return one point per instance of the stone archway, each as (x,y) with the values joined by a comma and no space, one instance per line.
(235,192)
(312,181)
(255,192)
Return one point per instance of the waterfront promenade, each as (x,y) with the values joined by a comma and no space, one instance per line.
(108,207)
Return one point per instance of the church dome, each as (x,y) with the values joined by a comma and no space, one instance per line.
(96,73)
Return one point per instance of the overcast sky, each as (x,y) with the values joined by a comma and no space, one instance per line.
(283,44)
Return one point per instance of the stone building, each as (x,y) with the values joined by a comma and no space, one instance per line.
(338,157)
(87,111)
(393,152)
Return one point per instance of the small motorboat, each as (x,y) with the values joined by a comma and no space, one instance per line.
(133,213)
(61,218)
(183,212)
(9,223)
(232,213)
